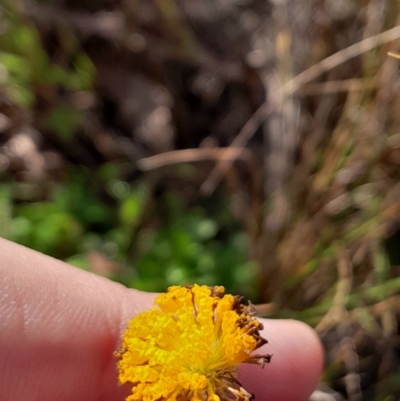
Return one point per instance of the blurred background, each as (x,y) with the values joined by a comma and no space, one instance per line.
(249,143)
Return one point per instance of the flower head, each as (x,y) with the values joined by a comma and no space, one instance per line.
(189,345)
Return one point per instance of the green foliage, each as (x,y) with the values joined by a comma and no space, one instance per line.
(64,120)
(182,246)
(188,250)
(24,62)
(46,228)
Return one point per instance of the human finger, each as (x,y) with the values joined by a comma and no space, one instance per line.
(59,327)
(295,367)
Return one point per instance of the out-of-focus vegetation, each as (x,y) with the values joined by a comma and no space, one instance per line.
(86,202)
(115,118)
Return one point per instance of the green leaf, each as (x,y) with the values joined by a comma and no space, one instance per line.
(65,121)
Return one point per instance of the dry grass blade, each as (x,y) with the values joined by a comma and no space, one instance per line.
(240,141)
(338,309)
(346,85)
(339,58)
(192,155)
(293,86)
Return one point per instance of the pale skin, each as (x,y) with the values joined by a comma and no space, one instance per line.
(60,325)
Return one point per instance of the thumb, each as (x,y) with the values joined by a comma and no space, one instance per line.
(295,367)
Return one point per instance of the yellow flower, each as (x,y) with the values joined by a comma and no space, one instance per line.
(188,347)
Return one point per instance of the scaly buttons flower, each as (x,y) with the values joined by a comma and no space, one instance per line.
(188,347)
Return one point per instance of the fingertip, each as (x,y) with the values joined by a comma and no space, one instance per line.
(295,367)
